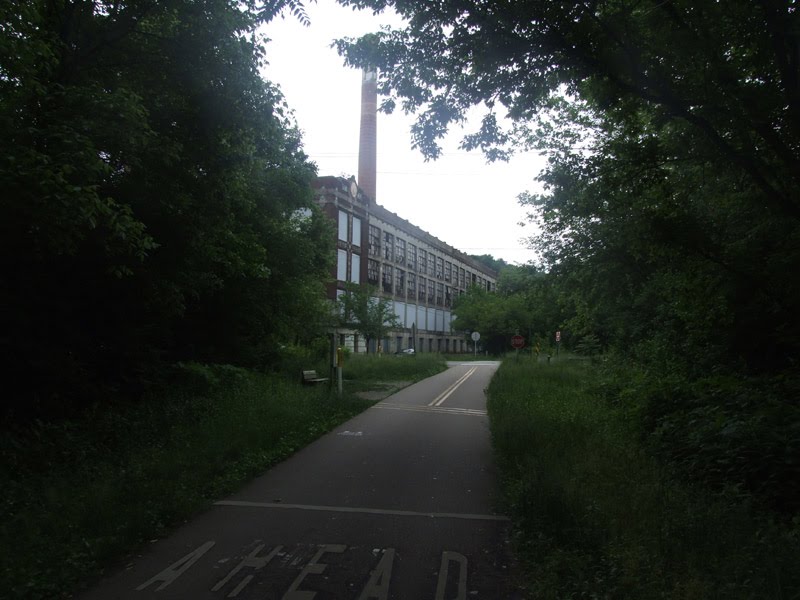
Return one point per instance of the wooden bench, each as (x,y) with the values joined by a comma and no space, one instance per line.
(311,378)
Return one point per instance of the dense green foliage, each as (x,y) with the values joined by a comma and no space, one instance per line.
(525,303)
(370,368)
(597,517)
(669,208)
(155,198)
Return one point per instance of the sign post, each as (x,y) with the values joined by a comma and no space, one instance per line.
(517,342)
(339,364)
(475,337)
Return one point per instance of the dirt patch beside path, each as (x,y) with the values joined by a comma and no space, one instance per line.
(383,389)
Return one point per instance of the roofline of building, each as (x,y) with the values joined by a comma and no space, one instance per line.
(394,219)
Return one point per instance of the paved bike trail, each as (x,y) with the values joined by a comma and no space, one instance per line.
(396,504)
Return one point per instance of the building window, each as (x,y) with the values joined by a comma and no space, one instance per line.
(412,258)
(430,291)
(448,268)
(374,241)
(342,226)
(400,283)
(388,245)
(387,278)
(461,279)
(355,268)
(422,289)
(448,296)
(373,269)
(412,285)
(431,260)
(440,294)
(439,267)
(341,265)
(356,231)
(423,264)
(400,251)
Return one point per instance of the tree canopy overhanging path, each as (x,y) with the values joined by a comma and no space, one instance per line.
(397,503)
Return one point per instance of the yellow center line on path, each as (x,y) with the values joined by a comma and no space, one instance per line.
(446,394)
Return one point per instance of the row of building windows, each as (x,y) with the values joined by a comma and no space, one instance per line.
(398,343)
(384,245)
(407,285)
(425,344)
(387,248)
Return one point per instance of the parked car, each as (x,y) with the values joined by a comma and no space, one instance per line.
(407,352)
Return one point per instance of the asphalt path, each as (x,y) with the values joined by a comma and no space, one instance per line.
(398,503)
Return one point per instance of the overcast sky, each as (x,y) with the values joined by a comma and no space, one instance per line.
(458,198)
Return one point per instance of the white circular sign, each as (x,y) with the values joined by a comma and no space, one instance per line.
(475,336)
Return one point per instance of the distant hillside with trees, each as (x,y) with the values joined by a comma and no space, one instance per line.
(490,261)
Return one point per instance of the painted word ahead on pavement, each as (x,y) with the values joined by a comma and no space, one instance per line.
(309,569)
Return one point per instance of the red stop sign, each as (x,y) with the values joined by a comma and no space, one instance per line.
(517,341)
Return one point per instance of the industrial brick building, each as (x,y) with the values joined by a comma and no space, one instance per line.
(421,274)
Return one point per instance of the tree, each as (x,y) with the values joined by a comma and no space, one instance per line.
(366,312)
(525,303)
(670,205)
(152,186)
(673,133)
(490,261)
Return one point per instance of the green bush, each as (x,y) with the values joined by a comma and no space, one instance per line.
(597,516)
(292,359)
(199,378)
(731,432)
(721,431)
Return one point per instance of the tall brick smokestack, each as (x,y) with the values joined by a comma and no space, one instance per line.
(368,135)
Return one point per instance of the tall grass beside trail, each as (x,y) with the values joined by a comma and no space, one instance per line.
(468,357)
(391,367)
(78,496)
(595,517)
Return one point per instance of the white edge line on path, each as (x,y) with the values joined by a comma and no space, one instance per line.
(471,412)
(369,511)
